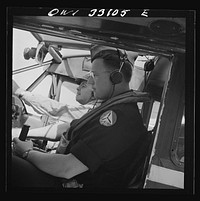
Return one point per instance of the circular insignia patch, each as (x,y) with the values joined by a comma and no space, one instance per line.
(108,118)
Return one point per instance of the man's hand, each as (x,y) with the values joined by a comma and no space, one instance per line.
(19,147)
(19,92)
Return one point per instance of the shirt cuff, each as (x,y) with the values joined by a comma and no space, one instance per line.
(82,152)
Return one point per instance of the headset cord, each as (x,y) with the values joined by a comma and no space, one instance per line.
(94,106)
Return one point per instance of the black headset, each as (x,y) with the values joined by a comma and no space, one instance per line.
(116,75)
(149,65)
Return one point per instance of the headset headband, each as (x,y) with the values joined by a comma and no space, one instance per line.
(105,53)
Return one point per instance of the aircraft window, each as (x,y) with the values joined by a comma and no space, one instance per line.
(25,75)
(44,86)
(76,66)
(87,65)
(42,89)
(177,151)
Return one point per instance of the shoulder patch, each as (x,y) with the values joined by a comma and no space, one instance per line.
(108,118)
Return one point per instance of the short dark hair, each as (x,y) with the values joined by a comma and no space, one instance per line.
(114,59)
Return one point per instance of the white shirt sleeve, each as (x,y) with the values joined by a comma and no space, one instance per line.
(44,105)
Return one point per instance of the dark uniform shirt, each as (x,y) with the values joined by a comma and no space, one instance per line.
(109,145)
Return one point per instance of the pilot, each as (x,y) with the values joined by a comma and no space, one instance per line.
(54,130)
(104,149)
(53,109)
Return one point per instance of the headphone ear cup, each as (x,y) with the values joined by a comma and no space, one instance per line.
(116,77)
(149,65)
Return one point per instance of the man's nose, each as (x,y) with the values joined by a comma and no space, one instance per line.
(78,88)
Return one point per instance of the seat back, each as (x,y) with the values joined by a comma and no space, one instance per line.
(140,170)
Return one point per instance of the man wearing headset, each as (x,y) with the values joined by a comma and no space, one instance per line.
(54,130)
(54,110)
(105,147)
